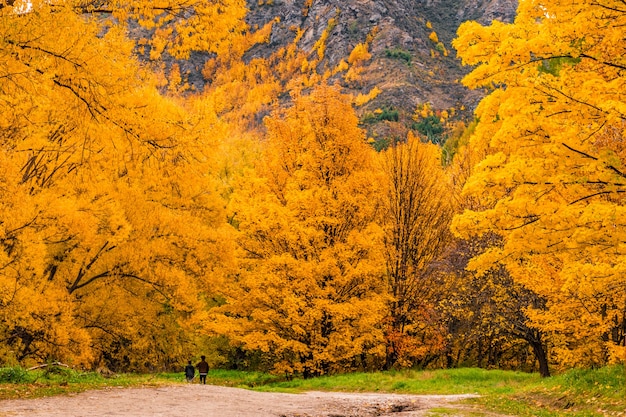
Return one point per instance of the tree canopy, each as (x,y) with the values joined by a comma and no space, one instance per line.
(145,221)
(552,181)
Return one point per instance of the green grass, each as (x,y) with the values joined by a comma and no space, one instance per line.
(240,379)
(576,393)
(16,382)
(580,393)
(457,381)
(435,412)
(398,53)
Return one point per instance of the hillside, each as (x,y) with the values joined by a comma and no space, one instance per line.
(401,26)
(406,65)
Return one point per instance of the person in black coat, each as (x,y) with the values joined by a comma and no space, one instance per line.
(190,372)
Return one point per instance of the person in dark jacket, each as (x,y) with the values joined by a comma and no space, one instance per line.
(203,369)
(190,372)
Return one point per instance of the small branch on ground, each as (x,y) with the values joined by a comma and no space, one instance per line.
(45,365)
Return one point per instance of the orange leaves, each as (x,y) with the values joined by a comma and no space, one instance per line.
(359,53)
(362,99)
(215,27)
(415,219)
(552,180)
(310,266)
(116,231)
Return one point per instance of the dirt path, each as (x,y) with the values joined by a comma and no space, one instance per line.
(213,401)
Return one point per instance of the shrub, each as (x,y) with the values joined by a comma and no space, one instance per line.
(400,54)
(13,375)
(390,114)
(387,113)
(369,118)
(381,144)
(431,128)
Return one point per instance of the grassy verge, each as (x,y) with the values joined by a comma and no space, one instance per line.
(19,383)
(582,393)
(454,381)
(576,393)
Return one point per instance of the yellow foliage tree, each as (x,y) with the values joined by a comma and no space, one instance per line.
(178,27)
(552,182)
(310,294)
(112,236)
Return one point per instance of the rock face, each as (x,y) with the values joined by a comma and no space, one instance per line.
(406,64)
(401,27)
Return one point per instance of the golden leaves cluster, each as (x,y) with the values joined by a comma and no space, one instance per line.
(309,294)
(552,180)
(112,222)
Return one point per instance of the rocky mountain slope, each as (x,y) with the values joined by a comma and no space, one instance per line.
(407,65)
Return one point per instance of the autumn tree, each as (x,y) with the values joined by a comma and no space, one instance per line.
(416,217)
(112,236)
(485,313)
(553,177)
(486,310)
(242,90)
(309,296)
(177,28)
(117,237)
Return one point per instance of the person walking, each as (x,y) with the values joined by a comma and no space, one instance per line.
(190,372)
(203,369)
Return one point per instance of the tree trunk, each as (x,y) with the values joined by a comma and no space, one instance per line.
(391,356)
(542,358)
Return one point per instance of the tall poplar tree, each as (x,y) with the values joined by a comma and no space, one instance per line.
(111,218)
